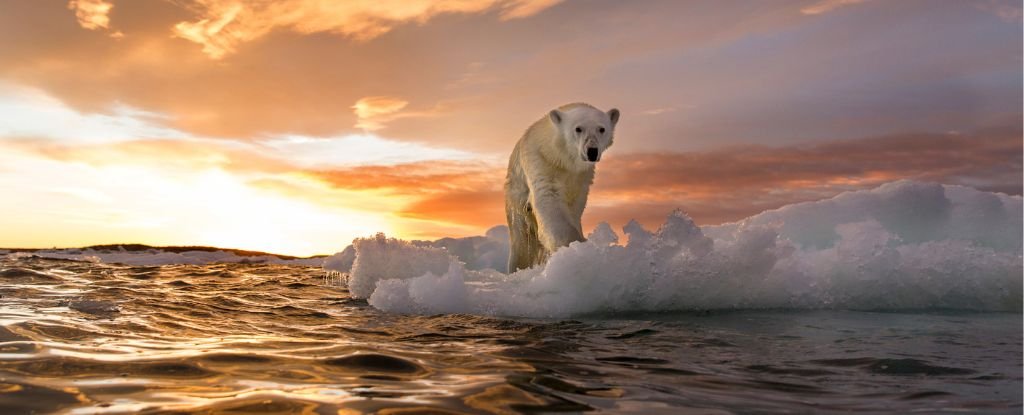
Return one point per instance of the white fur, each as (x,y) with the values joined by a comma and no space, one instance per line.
(549,178)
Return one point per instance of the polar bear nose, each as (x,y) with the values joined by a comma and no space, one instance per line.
(592,154)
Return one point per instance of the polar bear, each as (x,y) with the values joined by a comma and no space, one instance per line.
(549,176)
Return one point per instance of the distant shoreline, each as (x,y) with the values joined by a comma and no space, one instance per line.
(174,249)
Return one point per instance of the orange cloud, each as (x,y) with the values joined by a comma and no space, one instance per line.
(374,111)
(431,199)
(730,184)
(421,178)
(225,24)
(446,198)
(714,186)
(91,14)
(498,77)
(475,210)
(208,32)
(174,192)
(169,154)
(948,157)
(525,8)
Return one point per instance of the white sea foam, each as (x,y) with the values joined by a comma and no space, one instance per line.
(902,246)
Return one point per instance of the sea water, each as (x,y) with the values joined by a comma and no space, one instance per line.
(81,337)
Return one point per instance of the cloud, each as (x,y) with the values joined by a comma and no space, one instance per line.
(374,111)
(353,150)
(459,197)
(192,185)
(223,25)
(713,186)
(208,31)
(30,112)
(76,199)
(657,111)
(92,14)
(1009,12)
(817,81)
(182,155)
(473,210)
(825,6)
(524,8)
(419,178)
(445,198)
(370,107)
(988,159)
(730,184)
(761,72)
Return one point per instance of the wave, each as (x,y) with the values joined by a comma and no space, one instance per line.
(902,246)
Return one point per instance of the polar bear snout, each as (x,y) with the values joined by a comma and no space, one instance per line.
(591,150)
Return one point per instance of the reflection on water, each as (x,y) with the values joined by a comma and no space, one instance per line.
(94,338)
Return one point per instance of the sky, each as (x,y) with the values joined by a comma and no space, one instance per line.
(295,126)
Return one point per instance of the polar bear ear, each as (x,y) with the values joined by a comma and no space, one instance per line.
(613,114)
(556,117)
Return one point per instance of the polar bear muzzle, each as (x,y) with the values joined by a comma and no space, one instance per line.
(590,150)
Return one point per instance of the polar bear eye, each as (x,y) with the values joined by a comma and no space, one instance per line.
(601,130)
(579,130)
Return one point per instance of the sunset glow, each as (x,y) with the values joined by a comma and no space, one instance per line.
(293,127)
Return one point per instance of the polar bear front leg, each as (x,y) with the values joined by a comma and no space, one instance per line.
(556,227)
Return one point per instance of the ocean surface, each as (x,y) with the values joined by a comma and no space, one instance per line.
(83,337)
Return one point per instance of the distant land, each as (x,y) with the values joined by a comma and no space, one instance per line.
(174,249)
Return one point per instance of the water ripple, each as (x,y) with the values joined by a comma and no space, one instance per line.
(81,338)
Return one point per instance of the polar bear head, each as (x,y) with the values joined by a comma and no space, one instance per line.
(587,131)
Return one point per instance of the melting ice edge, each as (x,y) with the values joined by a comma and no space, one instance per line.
(902,246)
